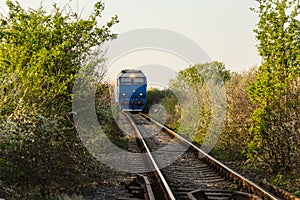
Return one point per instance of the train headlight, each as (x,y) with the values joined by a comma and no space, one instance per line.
(124,94)
(141,94)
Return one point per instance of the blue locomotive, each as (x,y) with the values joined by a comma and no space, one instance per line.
(131,90)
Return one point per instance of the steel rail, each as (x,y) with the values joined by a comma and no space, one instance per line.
(153,162)
(235,176)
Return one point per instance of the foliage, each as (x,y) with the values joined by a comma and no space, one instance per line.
(168,100)
(39,155)
(198,74)
(40,54)
(276,90)
(290,182)
(154,96)
(235,136)
(195,88)
(105,113)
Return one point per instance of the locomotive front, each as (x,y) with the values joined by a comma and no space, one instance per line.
(131,90)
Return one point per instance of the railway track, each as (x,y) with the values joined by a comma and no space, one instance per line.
(183,171)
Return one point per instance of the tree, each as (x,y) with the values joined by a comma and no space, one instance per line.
(276,90)
(235,136)
(197,88)
(40,55)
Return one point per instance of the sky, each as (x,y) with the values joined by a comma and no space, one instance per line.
(223,29)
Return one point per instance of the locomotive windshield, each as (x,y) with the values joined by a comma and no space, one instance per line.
(125,81)
(138,81)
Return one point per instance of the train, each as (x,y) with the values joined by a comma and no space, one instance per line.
(131,90)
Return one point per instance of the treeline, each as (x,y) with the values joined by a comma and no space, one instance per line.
(40,54)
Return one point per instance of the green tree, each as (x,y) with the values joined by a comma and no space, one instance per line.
(276,89)
(40,55)
(195,87)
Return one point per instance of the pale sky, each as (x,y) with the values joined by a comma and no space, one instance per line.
(223,28)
